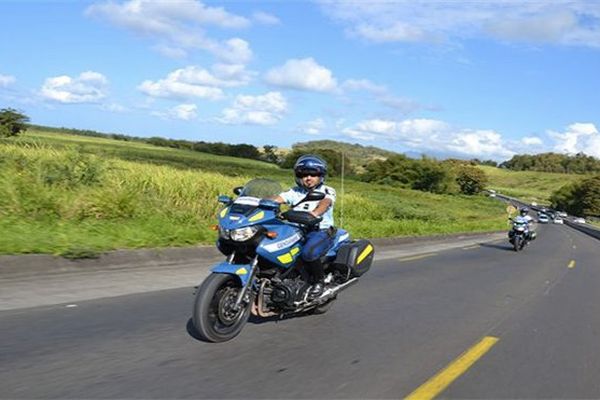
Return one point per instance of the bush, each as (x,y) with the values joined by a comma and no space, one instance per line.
(12,122)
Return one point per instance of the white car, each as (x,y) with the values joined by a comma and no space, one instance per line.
(558,220)
(579,220)
(543,219)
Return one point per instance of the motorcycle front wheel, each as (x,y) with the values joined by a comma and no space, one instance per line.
(215,317)
(517,243)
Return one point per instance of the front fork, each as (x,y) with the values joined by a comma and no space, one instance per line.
(243,294)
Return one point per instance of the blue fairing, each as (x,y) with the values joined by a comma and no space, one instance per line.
(242,271)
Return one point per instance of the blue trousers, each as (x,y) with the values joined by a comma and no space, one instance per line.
(316,245)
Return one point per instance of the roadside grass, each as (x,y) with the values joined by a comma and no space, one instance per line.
(78,196)
(527,185)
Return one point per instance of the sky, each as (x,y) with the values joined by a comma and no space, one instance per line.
(467,79)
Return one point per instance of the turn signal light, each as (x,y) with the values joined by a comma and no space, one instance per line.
(214,227)
(271,235)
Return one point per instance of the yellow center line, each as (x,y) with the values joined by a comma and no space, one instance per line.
(456,368)
(417,257)
(572,264)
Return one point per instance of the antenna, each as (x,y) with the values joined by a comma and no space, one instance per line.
(342,192)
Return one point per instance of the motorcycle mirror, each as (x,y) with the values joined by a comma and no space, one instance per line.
(314,196)
(224,199)
(238,190)
(268,204)
(311,196)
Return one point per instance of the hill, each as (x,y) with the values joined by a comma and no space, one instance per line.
(527,185)
(358,154)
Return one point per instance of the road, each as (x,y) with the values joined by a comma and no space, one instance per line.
(400,331)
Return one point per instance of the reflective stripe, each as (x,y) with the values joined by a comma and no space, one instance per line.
(364,253)
(257,216)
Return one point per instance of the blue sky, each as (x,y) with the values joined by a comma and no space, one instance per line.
(486,79)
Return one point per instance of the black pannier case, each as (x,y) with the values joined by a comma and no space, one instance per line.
(358,256)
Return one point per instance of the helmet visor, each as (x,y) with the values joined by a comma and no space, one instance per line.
(307,172)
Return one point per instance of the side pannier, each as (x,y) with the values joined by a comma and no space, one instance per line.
(358,256)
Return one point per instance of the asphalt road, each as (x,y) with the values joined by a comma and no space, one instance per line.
(406,321)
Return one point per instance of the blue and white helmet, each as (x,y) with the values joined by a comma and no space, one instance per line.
(310,163)
(524,211)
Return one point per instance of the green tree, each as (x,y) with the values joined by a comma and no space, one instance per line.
(270,154)
(579,198)
(589,196)
(12,122)
(471,180)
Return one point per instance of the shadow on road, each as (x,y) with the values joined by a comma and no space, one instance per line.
(497,246)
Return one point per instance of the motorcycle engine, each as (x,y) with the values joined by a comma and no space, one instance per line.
(286,292)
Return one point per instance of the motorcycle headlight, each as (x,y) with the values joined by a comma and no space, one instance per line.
(223,233)
(243,234)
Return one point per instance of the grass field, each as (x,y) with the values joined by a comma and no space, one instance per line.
(527,185)
(76,196)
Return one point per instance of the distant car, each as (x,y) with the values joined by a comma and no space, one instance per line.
(562,214)
(579,220)
(543,219)
(533,204)
(558,220)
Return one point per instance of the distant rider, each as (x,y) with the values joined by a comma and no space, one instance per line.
(524,215)
(310,172)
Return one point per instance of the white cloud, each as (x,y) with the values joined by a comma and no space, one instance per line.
(114,107)
(267,109)
(380,94)
(88,87)
(302,74)
(532,141)
(266,19)
(564,22)
(7,80)
(429,135)
(314,127)
(193,81)
(178,26)
(579,137)
(478,143)
(185,112)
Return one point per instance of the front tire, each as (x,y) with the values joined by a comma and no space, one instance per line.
(214,318)
(517,243)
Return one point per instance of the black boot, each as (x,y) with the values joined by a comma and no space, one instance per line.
(317,273)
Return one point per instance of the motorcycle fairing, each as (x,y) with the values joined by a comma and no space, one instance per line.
(250,214)
(285,248)
(242,271)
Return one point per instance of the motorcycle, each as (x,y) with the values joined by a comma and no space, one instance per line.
(520,234)
(263,274)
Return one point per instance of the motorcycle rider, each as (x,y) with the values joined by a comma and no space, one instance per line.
(310,171)
(524,214)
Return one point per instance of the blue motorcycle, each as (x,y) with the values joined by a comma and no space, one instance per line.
(263,274)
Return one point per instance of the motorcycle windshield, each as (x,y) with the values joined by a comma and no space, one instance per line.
(252,193)
(261,189)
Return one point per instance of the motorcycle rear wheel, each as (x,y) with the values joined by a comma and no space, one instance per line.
(214,317)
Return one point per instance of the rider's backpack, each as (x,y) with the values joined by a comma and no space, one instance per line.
(358,256)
